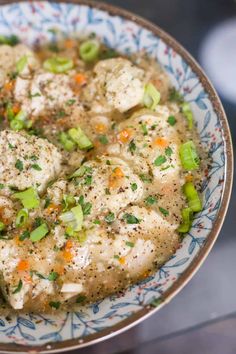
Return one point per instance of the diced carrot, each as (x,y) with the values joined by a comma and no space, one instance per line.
(80,79)
(124,136)
(23,265)
(189,178)
(16,108)
(67,255)
(101,128)
(69,43)
(122,260)
(68,245)
(161,142)
(115,177)
(8,86)
(53,208)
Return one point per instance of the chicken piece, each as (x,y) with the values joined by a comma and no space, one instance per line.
(118,85)
(106,184)
(27,161)
(44,93)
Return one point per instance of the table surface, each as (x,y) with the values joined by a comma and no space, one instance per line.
(210,295)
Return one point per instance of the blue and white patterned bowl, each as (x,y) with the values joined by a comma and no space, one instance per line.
(33,23)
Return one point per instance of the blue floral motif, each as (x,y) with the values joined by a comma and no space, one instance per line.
(127,37)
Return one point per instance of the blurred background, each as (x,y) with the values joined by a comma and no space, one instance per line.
(202,318)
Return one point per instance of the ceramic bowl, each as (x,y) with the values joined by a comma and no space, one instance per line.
(36,22)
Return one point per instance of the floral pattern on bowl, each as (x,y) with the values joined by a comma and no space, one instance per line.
(35,22)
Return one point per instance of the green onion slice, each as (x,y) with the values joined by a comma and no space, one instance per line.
(21,63)
(22,217)
(80,138)
(186,110)
(192,196)
(58,65)
(188,156)
(29,198)
(151,97)
(66,142)
(187,216)
(39,233)
(89,50)
(2,226)
(74,218)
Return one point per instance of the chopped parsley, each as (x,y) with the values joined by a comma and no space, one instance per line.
(132,147)
(150,200)
(1,185)
(70,102)
(131,219)
(55,304)
(160,160)
(19,165)
(171,120)
(18,287)
(88,180)
(80,298)
(130,244)
(53,276)
(109,218)
(145,178)
(86,206)
(103,139)
(168,151)
(134,186)
(144,129)
(34,158)
(164,211)
(11,146)
(36,167)
(97,222)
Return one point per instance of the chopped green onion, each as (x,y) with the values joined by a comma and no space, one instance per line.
(186,110)
(16,125)
(9,111)
(2,226)
(144,129)
(150,200)
(160,160)
(168,151)
(164,211)
(55,304)
(74,218)
(192,196)
(171,120)
(131,219)
(53,276)
(187,215)
(103,139)
(25,234)
(175,96)
(18,287)
(129,244)
(188,156)
(82,236)
(58,65)
(151,96)
(29,198)
(68,201)
(109,218)
(132,147)
(22,217)
(80,298)
(36,167)
(89,50)
(39,233)
(66,142)
(134,186)
(21,63)
(19,165)
(80,138)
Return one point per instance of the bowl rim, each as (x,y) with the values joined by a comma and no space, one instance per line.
(76,343)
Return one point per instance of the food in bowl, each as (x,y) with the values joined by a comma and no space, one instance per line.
(100,165)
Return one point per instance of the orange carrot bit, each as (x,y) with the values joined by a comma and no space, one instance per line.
(69,43)
(67,255)
(189,178)
(69,244)
(161,142)
(8,86)
(23,265)
(122,260)
(16,108)
(80,79)
(115,177)
(124,136)
(101,128)
(53,208)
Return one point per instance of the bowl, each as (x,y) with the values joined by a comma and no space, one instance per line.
(36,22)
